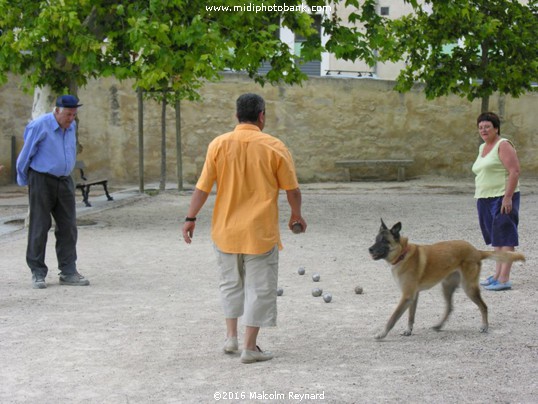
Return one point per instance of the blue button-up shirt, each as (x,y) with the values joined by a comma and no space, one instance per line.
(47,148)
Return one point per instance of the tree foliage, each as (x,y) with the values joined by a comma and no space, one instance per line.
(360,36)
(160,44)
(472,48)
(48,44)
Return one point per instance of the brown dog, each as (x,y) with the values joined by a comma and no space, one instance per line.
(419,267)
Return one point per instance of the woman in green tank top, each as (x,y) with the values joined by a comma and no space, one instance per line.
(497,193)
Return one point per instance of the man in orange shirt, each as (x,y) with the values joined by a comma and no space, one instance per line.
(249,167)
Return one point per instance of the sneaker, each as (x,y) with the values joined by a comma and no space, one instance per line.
(231,345)
(488,281)
(255,356)
(38,282)
(496,286)
(75,279)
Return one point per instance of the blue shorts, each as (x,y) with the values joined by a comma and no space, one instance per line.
(499,230)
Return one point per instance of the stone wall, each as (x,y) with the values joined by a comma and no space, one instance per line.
(324,120)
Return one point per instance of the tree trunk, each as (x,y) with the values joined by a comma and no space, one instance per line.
(43,98)
(140,97)
(485,104)
(162,185)
(179,161)
(73,90)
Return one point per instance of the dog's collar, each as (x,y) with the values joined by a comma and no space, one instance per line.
(401,256)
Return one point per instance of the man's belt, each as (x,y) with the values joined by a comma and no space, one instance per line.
(59,178)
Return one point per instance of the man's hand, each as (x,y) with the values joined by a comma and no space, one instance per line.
(295,220)
(188,231)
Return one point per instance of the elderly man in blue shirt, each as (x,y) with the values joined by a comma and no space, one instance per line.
(45,164)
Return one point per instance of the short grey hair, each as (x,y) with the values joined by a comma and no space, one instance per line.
(249,106)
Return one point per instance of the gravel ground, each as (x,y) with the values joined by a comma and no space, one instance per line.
(149,329)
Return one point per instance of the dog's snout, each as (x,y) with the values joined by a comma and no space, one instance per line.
(378,251)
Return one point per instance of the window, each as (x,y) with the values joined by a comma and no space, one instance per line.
(312,68)
(384,11)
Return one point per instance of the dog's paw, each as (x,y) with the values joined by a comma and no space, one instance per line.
(484,329)
(380,336)
(407,333)
(437,327)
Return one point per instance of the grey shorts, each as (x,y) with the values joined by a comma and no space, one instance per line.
(247,285)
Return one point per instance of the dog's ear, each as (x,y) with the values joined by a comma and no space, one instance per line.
(383,225)
(395,231)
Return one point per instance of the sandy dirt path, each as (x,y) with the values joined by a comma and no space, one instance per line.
(149,329)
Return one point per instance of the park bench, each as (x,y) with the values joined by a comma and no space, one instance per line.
(84,184)
(400,164)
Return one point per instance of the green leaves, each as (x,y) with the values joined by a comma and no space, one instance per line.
(493,45)
(467,47)
(50,42)
(160,44)
(355,41)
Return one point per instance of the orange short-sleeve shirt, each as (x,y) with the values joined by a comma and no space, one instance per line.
(249,167)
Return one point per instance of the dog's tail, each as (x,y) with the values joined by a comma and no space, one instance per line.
(502,256)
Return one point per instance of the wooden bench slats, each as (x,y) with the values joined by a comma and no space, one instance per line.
(356,163)
(84,184)
(92,182)
(400,163)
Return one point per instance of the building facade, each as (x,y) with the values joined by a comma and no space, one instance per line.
(330,65)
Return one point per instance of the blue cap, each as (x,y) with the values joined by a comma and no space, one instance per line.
(67,101)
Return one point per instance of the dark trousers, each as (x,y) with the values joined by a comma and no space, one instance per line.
(51,196)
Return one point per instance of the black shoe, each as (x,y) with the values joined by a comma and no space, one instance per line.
(38,282)
(75,279)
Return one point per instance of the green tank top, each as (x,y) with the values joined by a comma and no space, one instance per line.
(490,180)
